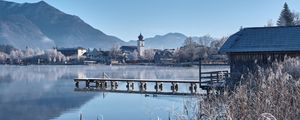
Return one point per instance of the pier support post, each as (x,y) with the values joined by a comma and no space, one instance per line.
(77,84)
(143,86)
(174,87)
(193,87)
(130,85)
(97,84)
(87,84)
(158,86)
(114,85)
(103,84)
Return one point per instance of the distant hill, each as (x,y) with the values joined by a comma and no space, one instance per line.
(171,40)
(39,25)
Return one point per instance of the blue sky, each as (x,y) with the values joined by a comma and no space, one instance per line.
(127,18)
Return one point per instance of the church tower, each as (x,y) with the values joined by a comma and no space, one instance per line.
(140,46)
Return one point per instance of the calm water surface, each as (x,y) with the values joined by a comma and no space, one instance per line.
(47,92)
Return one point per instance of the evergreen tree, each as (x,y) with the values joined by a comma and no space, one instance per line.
(286,17)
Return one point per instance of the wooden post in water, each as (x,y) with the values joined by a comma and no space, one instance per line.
(211,77)
(81,118)
(218,77)
(200,70)
(97,84)
(87,84)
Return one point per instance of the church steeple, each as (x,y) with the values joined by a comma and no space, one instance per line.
(141,37)
(140,45)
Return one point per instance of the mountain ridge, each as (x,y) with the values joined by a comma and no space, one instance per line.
(172,40)
(40,25)
(45,21)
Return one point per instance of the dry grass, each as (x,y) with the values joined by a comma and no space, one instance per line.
(268,94)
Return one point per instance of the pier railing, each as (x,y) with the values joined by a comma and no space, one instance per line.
(104,75)
(214,80)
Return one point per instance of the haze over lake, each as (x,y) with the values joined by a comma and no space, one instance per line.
(47,92)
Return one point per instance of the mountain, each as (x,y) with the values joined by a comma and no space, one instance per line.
(39,25)
(172,40)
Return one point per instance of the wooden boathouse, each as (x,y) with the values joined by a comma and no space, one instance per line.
(261,46)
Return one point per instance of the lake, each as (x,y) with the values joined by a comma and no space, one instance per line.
(47,92)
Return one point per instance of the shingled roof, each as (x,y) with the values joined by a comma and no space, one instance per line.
(128,48)
(264,39)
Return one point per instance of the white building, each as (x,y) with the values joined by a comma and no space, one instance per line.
(73,52)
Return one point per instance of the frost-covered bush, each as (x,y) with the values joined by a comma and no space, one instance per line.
(3,56)
(16,54)
(29,52)
(54,56)
(292,67)
(32,54)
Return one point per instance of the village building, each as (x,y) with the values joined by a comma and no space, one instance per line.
(97,56)
(128,49)
(165,56)
(260,46)
(72,53)
(140,48)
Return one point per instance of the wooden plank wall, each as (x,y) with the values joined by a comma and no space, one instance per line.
(241,63)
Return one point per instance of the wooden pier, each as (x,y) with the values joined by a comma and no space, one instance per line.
(207,81)
(146,93)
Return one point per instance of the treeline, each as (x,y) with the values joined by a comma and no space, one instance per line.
(193,51)
(190,52)
(11,55)
(286,17)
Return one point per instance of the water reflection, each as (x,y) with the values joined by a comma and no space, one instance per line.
(47,92)
(37,92)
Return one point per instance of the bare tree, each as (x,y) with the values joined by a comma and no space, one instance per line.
(3,56)
(217,44)
(16,54)
(133,55)
(149,54)
(189,49)
(114,52)
(205,40)
(178,55)
(296,18)
(269,23)
(55,56)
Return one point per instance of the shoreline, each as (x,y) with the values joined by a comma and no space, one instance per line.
(141,64)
